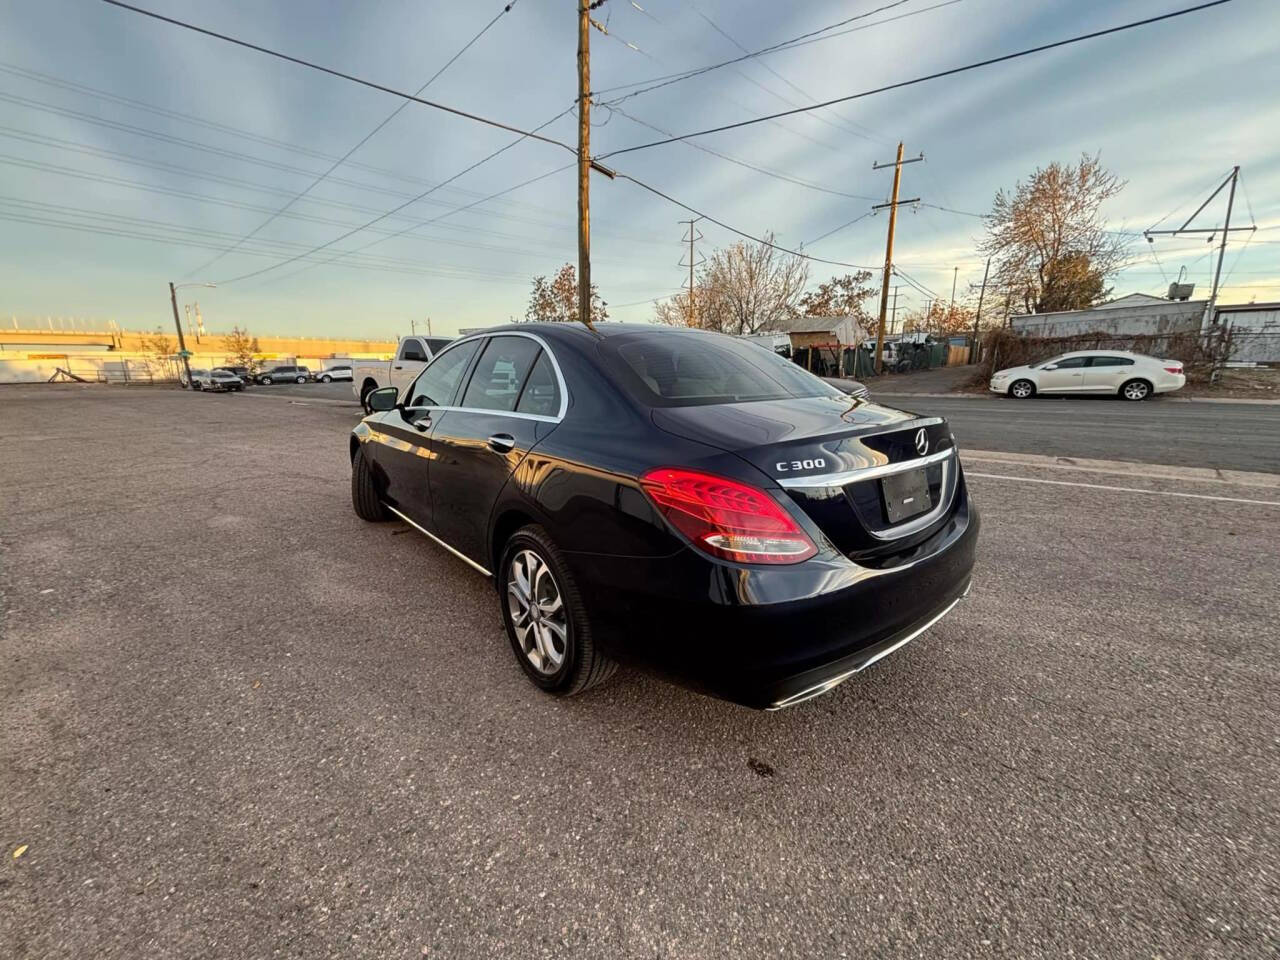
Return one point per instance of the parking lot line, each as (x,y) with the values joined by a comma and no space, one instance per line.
(1103,486)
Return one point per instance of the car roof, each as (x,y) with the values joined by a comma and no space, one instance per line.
(1110,353)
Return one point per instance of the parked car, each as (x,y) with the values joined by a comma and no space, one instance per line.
(676,499)
(850,388)
(244,373)
(412,354)
(215,380)
(340,372)
(284,375)
(1132,376)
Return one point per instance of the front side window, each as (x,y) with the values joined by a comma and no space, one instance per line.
(1069,362)
(412,349)
(694,368)
(437,384)
(500,373)
(541,394)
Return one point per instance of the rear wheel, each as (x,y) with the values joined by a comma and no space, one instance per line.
(366,388)
(364,495)
(1135,390)
(1022,389)
(545,617)
(299,379)
(265,381)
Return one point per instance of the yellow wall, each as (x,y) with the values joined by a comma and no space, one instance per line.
(270,347)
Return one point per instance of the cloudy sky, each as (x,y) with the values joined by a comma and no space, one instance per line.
(133,153)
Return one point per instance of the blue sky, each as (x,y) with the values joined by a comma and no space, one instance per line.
(214,137)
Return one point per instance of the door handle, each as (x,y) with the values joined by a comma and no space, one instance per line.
(502,442)
(398,367)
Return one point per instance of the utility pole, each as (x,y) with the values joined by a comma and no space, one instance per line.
(429,326)
(973,345)
(691,314)
(182,343)
(584,162)
(413,327)
(1222,250)
(955,272)
(186,312)
(888,249)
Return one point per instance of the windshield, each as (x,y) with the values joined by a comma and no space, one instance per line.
(683,369)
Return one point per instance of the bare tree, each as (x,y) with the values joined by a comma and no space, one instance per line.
(556,299)
(1048,240)
(742,288)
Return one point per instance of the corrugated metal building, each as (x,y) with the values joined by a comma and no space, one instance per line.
(1137,315)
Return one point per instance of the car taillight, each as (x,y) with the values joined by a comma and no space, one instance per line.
(1177,369)
(726,518)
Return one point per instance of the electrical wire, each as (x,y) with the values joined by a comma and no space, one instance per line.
(698,71)
(360,143)
(786,178)
(906,83)
(531,134)
(742,233)
(409,202)
(842,226)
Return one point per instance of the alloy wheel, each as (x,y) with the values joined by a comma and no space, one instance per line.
(1135,391)
(1022,389)
(537,611)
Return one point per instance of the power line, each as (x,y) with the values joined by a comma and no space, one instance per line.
(742,233)
(532,134)
(842,226)
(363,140)
(906,83)
(786,178)
(670,78)
(395,210)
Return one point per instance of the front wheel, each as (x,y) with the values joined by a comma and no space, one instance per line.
(1022,389)
(364,494)
(326,379)
(545,617)
(1136,390)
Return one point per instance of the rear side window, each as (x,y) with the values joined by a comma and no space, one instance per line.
(412,350)
(1110,362)
(686,369)
(500,373)
(437,384)
(541,395)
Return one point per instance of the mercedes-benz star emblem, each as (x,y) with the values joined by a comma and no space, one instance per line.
(922,442)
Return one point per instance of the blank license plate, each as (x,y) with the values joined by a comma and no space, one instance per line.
(905,494)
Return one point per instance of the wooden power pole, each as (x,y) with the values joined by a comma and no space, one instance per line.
(888,249)
(182,342)
(584,162)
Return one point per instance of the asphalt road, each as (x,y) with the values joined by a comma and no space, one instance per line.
(236,721)
(1224,436)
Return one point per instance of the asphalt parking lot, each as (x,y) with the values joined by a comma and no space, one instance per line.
(239,722)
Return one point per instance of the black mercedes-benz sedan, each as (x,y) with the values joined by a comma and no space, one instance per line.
(674,499)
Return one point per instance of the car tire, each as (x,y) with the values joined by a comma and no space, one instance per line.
(299,379)
(364,493)
(366,388)
(326,379)
(1135,390)
(1022,389)
(581,664)
(265,381)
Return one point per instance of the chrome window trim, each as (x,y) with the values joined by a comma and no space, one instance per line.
(555,365)
(867,473)
(423,530)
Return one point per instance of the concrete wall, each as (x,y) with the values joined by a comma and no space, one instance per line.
(127,366)
(1166,317)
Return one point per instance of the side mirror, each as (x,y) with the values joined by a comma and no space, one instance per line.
(1050,366)
(383,399)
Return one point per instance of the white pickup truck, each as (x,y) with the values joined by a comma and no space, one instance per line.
(412,355)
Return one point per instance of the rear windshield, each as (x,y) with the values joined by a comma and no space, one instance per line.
(686,369)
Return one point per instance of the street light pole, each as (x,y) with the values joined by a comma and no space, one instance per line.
(182,343)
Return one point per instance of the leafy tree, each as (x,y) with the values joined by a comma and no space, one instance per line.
(1048,240)
(159,345)
(241,348)
(556,299)
(941,319)
(843,296)
(743,288)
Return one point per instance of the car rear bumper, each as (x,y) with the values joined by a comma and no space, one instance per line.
(744,635)
(1170,382)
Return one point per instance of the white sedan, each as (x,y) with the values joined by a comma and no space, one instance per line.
(1132,376)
